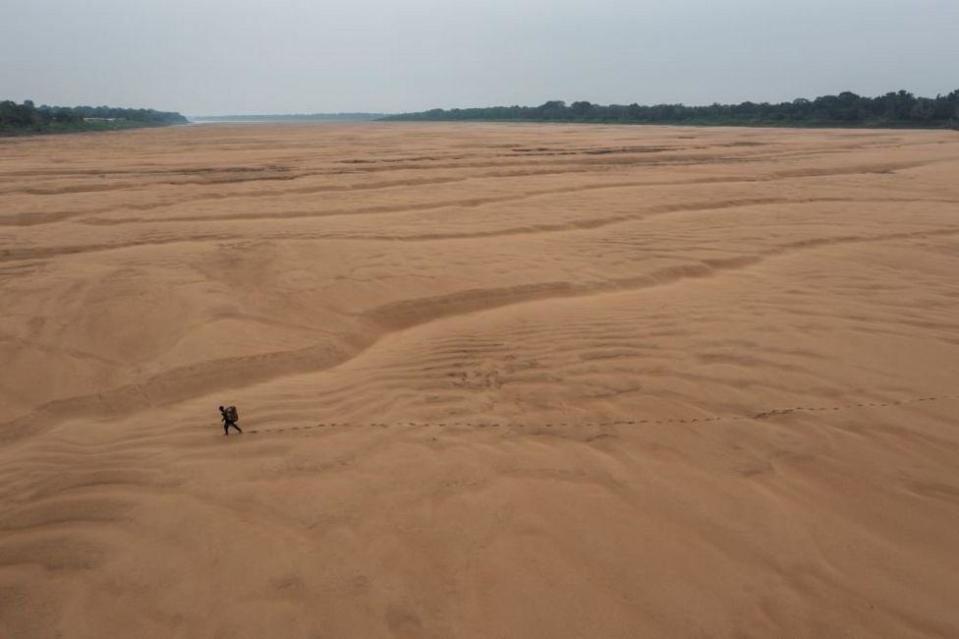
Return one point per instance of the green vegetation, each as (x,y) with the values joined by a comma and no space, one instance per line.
(27,118)
(901,109)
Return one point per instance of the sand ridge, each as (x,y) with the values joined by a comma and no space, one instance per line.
(496,380)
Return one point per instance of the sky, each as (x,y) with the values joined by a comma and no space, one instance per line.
(208,57)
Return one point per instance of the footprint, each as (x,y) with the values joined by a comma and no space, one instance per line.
(403,622)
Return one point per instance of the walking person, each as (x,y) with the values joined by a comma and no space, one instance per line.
(230,417)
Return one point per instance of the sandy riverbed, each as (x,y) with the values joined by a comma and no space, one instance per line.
(496,381)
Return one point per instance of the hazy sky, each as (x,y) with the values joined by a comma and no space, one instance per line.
(276,56)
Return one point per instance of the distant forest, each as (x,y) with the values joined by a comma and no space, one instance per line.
(28,118)
(898,109)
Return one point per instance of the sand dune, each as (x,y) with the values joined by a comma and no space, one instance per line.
(496,381)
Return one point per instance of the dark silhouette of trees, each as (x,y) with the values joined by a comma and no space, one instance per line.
(29,118)
(894,109)
(21,116)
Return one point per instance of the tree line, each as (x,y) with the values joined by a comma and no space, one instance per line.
(894,109)
(29,118)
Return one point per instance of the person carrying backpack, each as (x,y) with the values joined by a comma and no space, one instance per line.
(230,417)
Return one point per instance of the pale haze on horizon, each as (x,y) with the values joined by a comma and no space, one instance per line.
(288,56)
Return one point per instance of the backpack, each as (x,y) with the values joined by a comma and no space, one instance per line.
(231,414)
